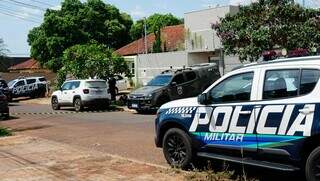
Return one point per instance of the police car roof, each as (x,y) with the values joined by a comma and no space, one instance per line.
(282,61)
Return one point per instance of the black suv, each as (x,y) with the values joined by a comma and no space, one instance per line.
(173,84)
(5,89)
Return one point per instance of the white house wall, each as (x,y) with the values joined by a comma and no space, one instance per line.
(153,64)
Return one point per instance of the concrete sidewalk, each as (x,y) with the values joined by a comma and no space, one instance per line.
(29,158)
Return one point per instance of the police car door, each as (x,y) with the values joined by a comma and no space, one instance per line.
(228,121)
(19,89)
(287,112)
(177,86)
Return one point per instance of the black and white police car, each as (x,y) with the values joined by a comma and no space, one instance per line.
(28,87)
(263,114)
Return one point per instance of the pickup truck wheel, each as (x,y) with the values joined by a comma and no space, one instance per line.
(312,168)
(177,148)
(55,103)
(77,105)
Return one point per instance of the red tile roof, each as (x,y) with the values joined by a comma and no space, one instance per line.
(172,36)
(29,64)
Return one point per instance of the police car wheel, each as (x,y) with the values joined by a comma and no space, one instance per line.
(77,105)
(313,165)
(55,103)
(177,148)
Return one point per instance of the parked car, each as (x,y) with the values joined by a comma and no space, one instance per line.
(82,93)
(28,87)
(4,107)
(264,115)
(173,84)
(5,89)
(122,83)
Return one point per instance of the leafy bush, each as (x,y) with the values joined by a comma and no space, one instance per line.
(5,132)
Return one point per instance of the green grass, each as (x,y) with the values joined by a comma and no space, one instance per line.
(5,132)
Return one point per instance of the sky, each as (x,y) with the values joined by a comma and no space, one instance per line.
(18,17)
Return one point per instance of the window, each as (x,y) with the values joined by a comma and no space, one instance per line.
(66,86)
(191,76)
(96,84)
(233,89)
(31,81)
(42,79)
(179,79)
(309,79)
(75,85)
(118,77)
(3,84)
(20,83)
(281,84)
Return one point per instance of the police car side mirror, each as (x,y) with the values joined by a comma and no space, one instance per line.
(203,99)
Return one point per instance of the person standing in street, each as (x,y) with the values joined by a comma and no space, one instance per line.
(112,88)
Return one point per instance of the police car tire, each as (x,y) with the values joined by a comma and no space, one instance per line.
(313,165)
(185,138)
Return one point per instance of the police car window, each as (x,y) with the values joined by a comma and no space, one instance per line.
(236,88)
(309,79)
(31,81)
(42,79)
(191,76)
(281,84)
(179,79)
(20,83)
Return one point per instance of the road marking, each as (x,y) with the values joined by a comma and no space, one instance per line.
(58,112)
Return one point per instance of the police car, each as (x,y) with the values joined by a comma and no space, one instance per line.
(28,87)
(263,114)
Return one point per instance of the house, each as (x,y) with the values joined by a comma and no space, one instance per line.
(31,65)
(192,43)
(145,66)
(28,68)
(6,62)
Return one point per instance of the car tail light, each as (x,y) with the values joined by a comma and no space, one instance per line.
(86,91)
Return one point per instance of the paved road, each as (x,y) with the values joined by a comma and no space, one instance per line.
(120,133)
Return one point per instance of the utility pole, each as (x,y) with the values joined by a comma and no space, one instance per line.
(145,36)
(303,3)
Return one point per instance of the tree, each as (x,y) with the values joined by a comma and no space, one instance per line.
(92,60)
(267,25)
(153,23)
(78,23)
(3,49)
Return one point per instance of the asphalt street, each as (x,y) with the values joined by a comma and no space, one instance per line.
(120,133)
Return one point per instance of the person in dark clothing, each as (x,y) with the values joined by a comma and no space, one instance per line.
(112,88)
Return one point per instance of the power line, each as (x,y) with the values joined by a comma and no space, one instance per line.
(20,17)
(26,5)
(6,8)
(43,3)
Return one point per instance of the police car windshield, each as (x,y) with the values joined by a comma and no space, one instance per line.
(11,83)
(160,80)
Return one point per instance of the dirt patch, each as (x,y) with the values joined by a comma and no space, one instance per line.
(41,101)
(29,158)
